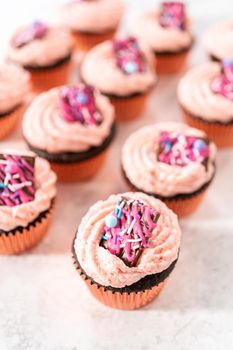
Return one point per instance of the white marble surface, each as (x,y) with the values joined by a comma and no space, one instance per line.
(43,302)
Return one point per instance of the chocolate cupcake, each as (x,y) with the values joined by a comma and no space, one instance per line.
(43,50)
(122,72)
(125,249)
(91,22)
(170,161)
(71,127)
(167,32)
(14,87)
(217,40)
(27,194)
(206,99)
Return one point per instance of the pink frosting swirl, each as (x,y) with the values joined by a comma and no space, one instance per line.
(92,16)
(44,127)
(218,39)
(196,95)
(109,270)
(54,46)
(158,38)
(14,86)
(142,168)
(99,68)
(23,214)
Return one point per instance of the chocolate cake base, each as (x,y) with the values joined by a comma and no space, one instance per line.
(145,283)
(73,157)
(57,64)
(179,196)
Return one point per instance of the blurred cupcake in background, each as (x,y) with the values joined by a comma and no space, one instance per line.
(205,95)
(125,249)
(43,50)
(72,127)
(27,194)
(170,161)
(167,32)
(14,87)
(91,21)
(217,40)
(122,72)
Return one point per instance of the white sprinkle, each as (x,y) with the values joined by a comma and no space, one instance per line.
(122,232)
(134,240)
(131,226)
(136,246)
(16,176)
(122,245)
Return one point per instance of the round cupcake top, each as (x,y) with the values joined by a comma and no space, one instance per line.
(118,67)
(39,45)
(167,159)
(92,16)
(164,30)
(27,187)
(206,91)
(68,119)
(218,40)
(14,86)
(126,237)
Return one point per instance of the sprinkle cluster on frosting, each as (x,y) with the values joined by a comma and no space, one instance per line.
(129,57)
(16,179)
(77,104)
(36,30)
(172,15)
(223,84)
(179,149)
(128,230)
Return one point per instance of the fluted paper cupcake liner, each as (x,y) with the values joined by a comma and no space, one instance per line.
(126,300)
(171,63)
(220,133)
(85,41)
(9,122)
(21,239)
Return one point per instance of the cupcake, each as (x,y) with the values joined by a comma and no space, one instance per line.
(44,51)
(218,40)
(205,95)
(71,127)
(91,22)
(27,194)
(122,72)
(170,161)
(167,32)
(125,249)
(14,86)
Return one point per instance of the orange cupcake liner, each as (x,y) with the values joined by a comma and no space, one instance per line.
(118,300)
(79,171)
(129,108)
(45,79)
(221,134)
(85,41)
(19,241)
(9,122)
(171,63)
(182,206)
(185,206)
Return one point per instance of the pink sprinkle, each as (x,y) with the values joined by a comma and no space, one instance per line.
(178,149)
(129,57)
(172,15)
(77,104)
(223,84)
